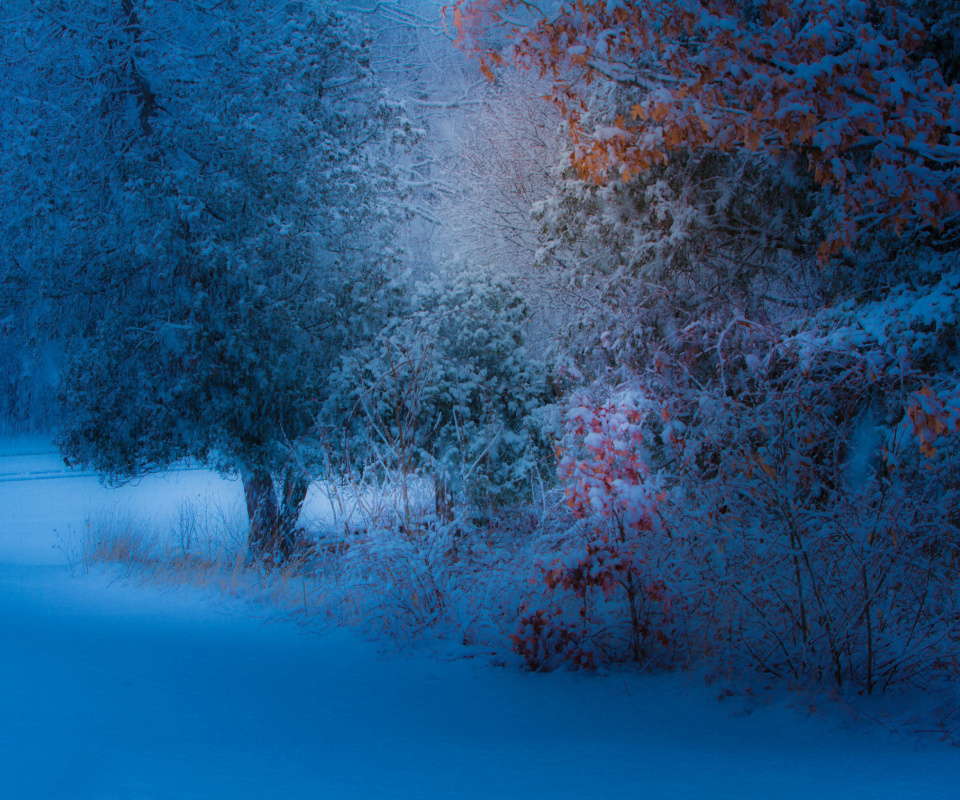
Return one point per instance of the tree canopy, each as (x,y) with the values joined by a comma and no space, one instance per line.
(227,212)
(840,83)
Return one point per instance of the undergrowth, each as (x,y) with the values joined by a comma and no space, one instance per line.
(538,590)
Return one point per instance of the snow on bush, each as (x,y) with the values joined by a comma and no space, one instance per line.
(773,496)
(447,392)
(602,591)
(816,464)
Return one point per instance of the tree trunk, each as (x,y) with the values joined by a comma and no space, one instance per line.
(294,492)
(272,535)
(443,502)
(261,500)
(146,98)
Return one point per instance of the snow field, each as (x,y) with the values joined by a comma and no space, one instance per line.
(115,688)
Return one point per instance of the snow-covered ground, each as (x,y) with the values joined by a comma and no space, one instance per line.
(110,689)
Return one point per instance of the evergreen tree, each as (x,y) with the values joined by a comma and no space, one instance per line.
(448,390)
(224,226)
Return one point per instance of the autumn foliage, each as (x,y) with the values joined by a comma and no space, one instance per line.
(604,596)
(839,83)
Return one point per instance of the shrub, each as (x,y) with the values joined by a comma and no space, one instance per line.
(605,584)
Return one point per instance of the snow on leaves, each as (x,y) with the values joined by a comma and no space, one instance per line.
(932,416)
(446,390)
(835,81)
(606,482)
(605,597)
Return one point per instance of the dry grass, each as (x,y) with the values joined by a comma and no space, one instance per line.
(203,547)
(115,538)
(369,570)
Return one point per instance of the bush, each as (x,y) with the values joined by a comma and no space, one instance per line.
(606,583)
(815,466)
(448,392)
(115,538)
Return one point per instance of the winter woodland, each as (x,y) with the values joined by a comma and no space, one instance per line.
(617,332)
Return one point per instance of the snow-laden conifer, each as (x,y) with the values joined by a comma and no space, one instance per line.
(212,193)
(448,391)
